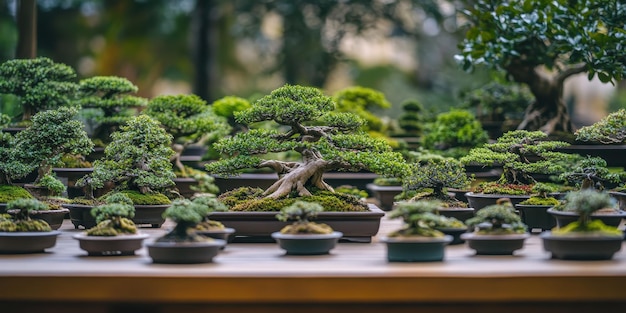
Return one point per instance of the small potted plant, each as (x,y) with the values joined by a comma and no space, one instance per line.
(534,209)
(605,138)
(115,233)
(137,163)
(497,230)
(303,236)
(21,233)
(565,214)
(183,245)
(208,227)
(418,240)
(587,238)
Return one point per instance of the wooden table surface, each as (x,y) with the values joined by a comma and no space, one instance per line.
(353,273)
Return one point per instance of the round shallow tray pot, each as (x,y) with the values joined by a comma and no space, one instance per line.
(184,252)
(581,247)
(495,244)
(416,249)
(564,217)
(307,244)
(27,242)
(110,245)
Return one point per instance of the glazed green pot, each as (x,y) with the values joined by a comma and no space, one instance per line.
(416,249)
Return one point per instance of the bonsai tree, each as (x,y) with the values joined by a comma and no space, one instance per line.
(52,134)
(360,101)
(334,143)
(40,84)
(541,196)
(609,130)
(189,120)
(497,219)
(186,215)
(208,205)
(302,212)
(114,218)
(227,106)
(435,176)
(112,105)
(454,133)
(498,102)
(137,161)
(563,37)
(591,173)
(587,202)
(22,222)
(420,219)
(10,167)
(411,119)
(521,153)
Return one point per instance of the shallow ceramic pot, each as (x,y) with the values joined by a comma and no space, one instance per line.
(307,244)
(581,247)
(184,252)
(54,218)
(416,249)
(385,195)
(481,200)
(183,184)
(536,216)
(495,244)
(27,242)
(80,215)
(563,218)
(110,245)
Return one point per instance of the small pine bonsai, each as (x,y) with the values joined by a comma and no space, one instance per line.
(411,120)
(22,222)
(187,215)
(436,175)
(591,172)
(114,217)
(209,205)
(40,84)
(302,212)
(189,120)
(454,133)
(419,217)
(137,160)
(587,202)
(227,106)
(111,100)
(609,130)
(497,219)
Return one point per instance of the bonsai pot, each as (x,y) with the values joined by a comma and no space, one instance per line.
(455,233)
(110,245)
(69,176)
(27,242)
(495,244)
(184,184)
(416,249)
(581,247)
(307,244)
(461,214)
(621,198)
(536,216)
(258,226)
(54,218)
(481,200)
(385,195)
(184,252)
(80,215)
(563,218)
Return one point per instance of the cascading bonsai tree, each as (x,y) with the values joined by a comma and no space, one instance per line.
(542,44)
(52,134)
(110,104)
(497,219)
(187,215)
(209,204)
(227,106)
(137,161)
(325,139)
(587,202)
(40,84)
(21,221)
(189,120)
(420,219)
(609,130)
(302,213)
(411,120)
(521,154)
(114,217)
(453,133)
(591,173)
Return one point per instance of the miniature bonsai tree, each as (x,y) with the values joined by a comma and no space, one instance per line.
(10,167)
(302,212)
(111,100)
(435,176)
(334,143)
(209,204)
(609,130)
(587,202)
(186,215)
(137,161)
(360,101)
(454,133)
(419,218)
(52,134)
(497,219)
(189,120)
(40,84)
(564,37)
(521,153)
(411,119)
(591,173)
(21,222)
(499,102)
(541,196)
(114,217)
(227,106)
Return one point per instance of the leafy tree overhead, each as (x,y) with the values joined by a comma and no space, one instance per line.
(541,43)
(335,142)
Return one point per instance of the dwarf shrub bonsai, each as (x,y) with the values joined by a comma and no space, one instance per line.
(186,215)
(542,44)
(521,153)
(189,120)
(334,142)
(52,134)
(497,219)
(22,222)
(454,133)
(436,175)
(419,218)
(113,218)
(40,84)
(137,160)
(302,212)
(227,106)
(110,97)
(587,202)
(609,130)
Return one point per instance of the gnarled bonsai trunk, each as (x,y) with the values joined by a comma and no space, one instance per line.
(300,175)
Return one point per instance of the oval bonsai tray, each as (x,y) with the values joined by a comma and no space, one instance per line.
(27,242)
(258,226)
(581,247)
(417,249)
(110,245)
(495,244)
(481,200)
(307,244)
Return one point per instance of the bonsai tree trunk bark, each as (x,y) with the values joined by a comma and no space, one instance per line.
(299,176)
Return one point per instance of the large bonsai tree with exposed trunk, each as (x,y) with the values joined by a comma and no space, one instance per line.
(542,43)
(326,140)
